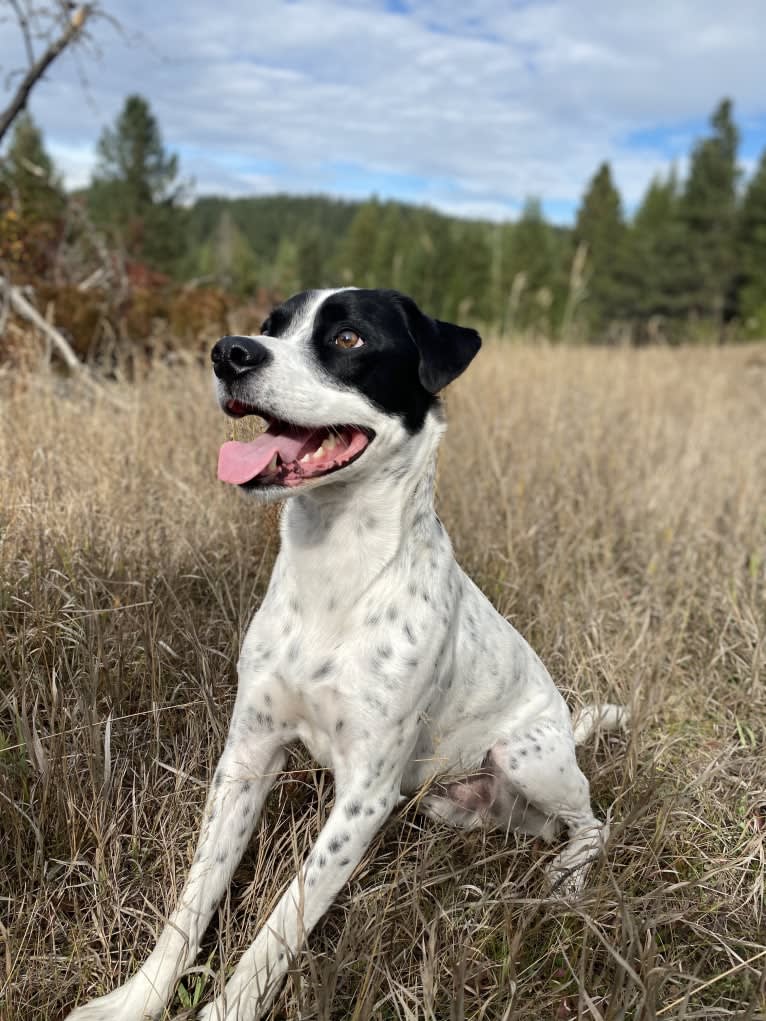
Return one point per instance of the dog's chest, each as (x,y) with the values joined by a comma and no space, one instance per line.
(346,648)
(300,660)
(332,667)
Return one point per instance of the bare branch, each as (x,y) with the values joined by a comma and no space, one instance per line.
(24,26)
(27,311)
(38,69)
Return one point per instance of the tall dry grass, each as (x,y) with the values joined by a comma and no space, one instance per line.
(612,503)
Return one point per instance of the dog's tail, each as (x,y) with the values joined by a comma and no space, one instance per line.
(605,717)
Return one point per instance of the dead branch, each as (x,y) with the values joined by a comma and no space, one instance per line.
(19,304)
(23,21)
(38,69)
(94,279)
(27,311)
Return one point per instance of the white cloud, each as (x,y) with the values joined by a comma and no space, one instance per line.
(469,111)
(74,162)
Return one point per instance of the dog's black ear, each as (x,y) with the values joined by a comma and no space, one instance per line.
(445,349)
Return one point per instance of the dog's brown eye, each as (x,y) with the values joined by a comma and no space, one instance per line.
(348,339)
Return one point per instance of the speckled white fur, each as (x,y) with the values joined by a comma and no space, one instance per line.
(375,650)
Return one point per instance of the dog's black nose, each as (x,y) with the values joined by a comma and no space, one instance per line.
(234,356)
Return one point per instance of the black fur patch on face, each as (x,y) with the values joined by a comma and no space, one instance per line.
(385,369)
(406,357)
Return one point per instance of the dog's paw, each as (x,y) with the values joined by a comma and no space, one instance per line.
(215,1011)
(126,1003)
(623,718)
(567,884)
(238,1003)
(568,872)
(240,1011)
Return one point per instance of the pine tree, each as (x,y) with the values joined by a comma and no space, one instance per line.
(227,257)
(461,271)
(134,191)
(29,175)
(752,252)
(284,279)
(388,256)
(357,254)
(709,209)
(431,266)
(132,155)
(600,226)
(657,270)
(310,266)
(529,271)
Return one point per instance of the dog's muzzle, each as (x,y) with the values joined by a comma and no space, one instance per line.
(233,357)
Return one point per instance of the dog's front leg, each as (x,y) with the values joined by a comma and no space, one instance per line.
(240,785)
(363,801)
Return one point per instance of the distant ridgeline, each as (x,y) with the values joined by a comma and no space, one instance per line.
(690,264)
(687,265)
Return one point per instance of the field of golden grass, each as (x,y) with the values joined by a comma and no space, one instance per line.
(611,502)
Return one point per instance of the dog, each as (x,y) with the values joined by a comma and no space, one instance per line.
(371,646)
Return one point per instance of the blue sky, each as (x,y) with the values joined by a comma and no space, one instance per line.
(468,109)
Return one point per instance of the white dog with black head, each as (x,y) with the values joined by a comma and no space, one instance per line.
(372,647)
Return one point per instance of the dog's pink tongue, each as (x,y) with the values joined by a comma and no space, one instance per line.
(240,462)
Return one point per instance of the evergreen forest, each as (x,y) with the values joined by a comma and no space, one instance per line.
(688,265)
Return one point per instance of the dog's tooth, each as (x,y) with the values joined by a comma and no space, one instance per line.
(331,442)
(306,457)
(318,453)
(272,465)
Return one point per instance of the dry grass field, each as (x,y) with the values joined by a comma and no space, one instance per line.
(611,502)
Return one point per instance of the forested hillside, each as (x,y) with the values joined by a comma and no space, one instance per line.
(689,264)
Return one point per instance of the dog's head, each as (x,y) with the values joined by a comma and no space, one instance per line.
(341,378)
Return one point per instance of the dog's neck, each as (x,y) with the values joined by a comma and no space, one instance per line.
(347,533)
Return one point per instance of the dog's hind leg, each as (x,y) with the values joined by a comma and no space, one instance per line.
(485,799)
(242,780)
(540,766)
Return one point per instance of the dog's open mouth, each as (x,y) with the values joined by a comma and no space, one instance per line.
(287,454)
